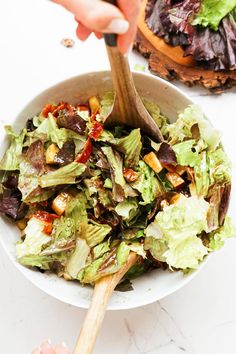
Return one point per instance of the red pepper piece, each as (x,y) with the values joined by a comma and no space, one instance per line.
(96,130)
(130,175)
(85,154)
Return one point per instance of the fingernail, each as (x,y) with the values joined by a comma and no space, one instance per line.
(118,25)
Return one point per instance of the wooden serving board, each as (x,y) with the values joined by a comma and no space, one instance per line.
(169,63)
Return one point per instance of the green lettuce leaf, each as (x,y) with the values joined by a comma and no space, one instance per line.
(35,239)
(64,175)
(120,187)
(154,110)
(147,184)
(201,175)
(184,154)
(181,129)
(219,167)
(101,249)
(45,262)
(128,209)
(28,180)
(78,259)
(51,132)
(11,159)
(106,103)
(109,263)
(218,237)
(174,233)
(130,146)
(95,233)
(212,12)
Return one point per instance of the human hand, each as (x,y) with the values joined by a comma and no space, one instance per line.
(47,348)
(100,17)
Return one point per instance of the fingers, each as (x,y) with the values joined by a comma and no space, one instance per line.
(46,348)
(97,15)
(131,11)
(37,351)
(61,349)
(82,32)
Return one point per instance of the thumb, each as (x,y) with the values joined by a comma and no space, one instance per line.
(97,15)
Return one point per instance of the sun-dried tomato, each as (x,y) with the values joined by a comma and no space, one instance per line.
(60,107)
(130,175)
(45,216)
(87,151)
(49,108)
(96,130)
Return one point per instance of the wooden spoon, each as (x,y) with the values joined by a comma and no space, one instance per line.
(102,292)
(128,108)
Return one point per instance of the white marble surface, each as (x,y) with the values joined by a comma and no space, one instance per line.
(200,318)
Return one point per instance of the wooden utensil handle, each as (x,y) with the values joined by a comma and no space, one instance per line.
(94,318)
(95,315)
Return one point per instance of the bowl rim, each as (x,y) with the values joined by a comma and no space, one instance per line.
(48,291)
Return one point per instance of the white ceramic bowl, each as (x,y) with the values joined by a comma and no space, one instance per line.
(149,287)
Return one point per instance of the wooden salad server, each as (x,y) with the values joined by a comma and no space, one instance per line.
(128,108)
(102,292)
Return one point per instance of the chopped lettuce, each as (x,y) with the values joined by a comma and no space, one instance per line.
(219,167)
(101,249)
(147,184)
(128,209)
(95,233)
(63,175)
(185,154)
(11,159)
(50,131)
(77,260)
(35,239)
(106,102)
(218,237)
(176,241)
(131,146)
(201,175)
(182,128)
(212,12)
(109,263)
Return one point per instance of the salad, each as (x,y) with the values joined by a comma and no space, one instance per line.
(84,197)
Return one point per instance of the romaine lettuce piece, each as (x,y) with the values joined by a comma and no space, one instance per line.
(219,166)
(147,184)
(184,154)
(127,209)
(64,175)
(11,159)
(218,237)
(101,249)
(95,233)
(35,239)
(50,131)
(201,175)
(174,233)
(109,263)
(131,146)
(77,260)
(182,128)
